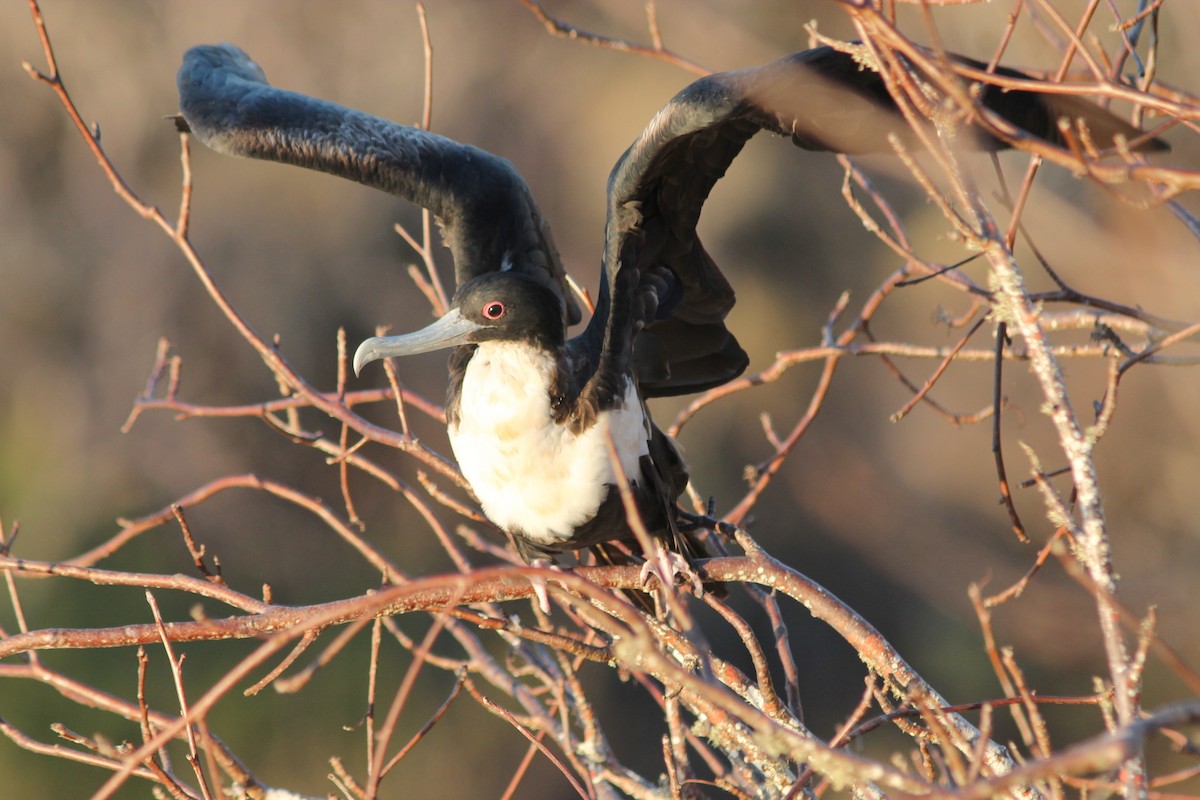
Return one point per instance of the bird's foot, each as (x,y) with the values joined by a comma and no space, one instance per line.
(689,522)
(539,592)
(539,585)
(671,569)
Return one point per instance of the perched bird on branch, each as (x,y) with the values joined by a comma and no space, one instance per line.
(543,424)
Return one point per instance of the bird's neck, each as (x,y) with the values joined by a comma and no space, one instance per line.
(511,378)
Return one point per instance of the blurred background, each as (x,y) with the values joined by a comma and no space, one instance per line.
(897,519)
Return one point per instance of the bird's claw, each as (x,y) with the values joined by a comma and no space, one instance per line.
(539,584)
(707,521)
(671,569)
(539,592)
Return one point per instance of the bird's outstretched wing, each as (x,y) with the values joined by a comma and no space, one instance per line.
(667,298)
(487,214)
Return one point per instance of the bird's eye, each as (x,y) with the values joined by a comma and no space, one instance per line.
(494,310)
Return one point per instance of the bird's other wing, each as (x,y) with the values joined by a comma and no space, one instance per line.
(667,298)
(487,215)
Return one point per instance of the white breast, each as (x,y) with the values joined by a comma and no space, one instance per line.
(533,476)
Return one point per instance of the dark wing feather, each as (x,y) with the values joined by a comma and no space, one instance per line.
(485,209)
(668,299)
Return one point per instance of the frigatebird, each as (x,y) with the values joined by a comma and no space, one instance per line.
(530,411)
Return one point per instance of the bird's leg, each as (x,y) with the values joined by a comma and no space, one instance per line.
(704,536)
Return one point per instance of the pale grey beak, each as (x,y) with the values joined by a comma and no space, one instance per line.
(450,330)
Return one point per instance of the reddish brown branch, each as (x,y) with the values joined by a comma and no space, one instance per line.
(557,27)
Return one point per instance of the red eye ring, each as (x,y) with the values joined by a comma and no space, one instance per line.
(493,310)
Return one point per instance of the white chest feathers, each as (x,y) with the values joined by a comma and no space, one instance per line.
(533,476)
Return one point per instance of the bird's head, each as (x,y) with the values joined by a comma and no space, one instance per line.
(495,306)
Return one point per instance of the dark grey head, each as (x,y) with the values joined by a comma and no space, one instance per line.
(494,306)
